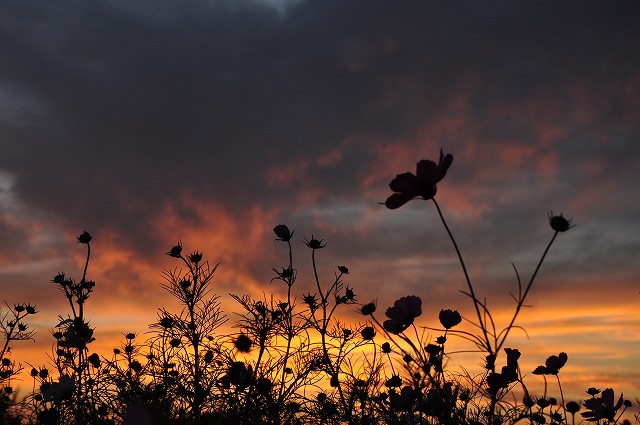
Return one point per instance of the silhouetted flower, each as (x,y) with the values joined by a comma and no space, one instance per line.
(84,238)
(314,243)
(30,309)
(368,333)
(94,360)
(243,343)
(409,186)
(449,318)
(136,366)
(510,371)
(543,403)
(552,365)
(386,348)
(402,314)
(175,251)
(528,402)
(343,269)
(195,257)
(602,407)
(402,401)
(496,381)
(349,295)
(167,322)
(368,309)
(394,382)
(59,278)
(593,391)
(311,301)
(285,274)
(283,233)
(559,223)
(572,407)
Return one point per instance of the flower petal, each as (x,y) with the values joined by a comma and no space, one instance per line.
(406,183)
(427,171)
(397,200)
(443,166)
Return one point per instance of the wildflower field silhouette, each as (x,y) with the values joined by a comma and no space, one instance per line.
(293,360)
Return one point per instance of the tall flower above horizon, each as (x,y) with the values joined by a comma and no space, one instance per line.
(408,186)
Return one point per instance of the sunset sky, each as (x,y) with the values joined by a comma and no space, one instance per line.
(146,123)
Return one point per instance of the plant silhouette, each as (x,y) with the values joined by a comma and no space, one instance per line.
(294,360)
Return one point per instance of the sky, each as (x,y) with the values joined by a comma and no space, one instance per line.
(209,122)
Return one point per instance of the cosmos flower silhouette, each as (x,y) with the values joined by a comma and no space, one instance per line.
(409,186)
(402,314)
(449,318)
(603,407)
(552,365)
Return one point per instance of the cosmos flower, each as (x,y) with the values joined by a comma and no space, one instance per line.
(449,318)
(602,407)
(402,314)
(552,365)
(510,371)
(408,186)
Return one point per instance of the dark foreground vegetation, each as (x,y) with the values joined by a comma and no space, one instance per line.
(293,361)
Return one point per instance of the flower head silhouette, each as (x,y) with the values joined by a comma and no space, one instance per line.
(552,365)
(449,318)
(602,407)
(283,233)
(559,223)
(409,186)
(402,314)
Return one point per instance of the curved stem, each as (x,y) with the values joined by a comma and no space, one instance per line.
(526,291)
(466,276)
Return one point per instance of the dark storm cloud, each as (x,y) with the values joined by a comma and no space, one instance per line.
(123,107)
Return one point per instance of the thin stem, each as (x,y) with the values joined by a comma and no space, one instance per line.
(289,318)
(526,291)
(86,264)
(562,399)
(466,276)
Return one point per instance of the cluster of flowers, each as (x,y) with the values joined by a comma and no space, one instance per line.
(293,360)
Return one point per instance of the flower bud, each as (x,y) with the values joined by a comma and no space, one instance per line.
(84,238)
(176,251)
(559,223)
(283,233)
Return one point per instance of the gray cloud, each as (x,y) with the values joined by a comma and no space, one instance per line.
(112,110)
